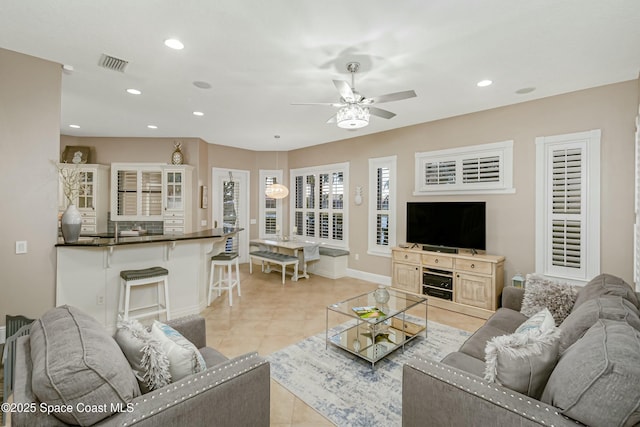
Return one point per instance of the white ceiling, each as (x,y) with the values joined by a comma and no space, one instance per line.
(260,56)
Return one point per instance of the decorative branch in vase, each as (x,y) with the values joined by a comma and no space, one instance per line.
(71,221)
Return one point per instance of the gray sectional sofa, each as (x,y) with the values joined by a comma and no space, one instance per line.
(594,379)
(104,391)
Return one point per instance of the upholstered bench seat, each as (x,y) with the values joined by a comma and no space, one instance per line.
(281,259)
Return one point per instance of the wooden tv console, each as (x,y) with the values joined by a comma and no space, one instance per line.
(463,282)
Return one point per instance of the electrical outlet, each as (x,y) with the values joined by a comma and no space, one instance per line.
(100,300)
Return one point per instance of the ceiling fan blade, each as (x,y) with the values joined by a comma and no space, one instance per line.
(328,104)
(397,96)
(381,113)
(332,119)
(345,90)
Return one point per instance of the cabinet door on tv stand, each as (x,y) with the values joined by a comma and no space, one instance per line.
(406,277)
(473,290)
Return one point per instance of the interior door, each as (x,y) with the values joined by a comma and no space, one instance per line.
(230,206)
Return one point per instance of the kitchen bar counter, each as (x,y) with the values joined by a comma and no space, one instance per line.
(99,241)
(88,272)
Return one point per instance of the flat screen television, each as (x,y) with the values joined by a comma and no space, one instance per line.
(460,225)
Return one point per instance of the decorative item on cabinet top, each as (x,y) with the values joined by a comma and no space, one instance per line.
(76,154)
(177,158)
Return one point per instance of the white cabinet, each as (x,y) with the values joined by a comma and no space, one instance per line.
(178,198)
(93,196)
(153,192)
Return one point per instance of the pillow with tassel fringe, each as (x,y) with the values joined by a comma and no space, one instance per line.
(145,354)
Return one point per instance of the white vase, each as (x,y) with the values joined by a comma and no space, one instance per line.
(381,295)
(71,223)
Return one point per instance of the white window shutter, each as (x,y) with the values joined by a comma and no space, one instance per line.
(568,206)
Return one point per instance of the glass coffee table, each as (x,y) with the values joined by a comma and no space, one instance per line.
(379,323)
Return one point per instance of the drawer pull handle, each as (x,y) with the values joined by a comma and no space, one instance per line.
(406,256)
(437,260)
(473,266)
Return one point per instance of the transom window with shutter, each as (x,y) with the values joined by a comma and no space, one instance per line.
(382,205)
(270,208)
(319,206)
(568,206)
(485,168)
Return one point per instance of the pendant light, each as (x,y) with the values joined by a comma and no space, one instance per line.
(275,190)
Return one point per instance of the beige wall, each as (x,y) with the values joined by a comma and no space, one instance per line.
(30,136)
(510,217)
(29,142)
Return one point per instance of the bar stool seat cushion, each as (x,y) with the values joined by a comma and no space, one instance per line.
(77,364)
(225,256)
(184,357)
(145,273)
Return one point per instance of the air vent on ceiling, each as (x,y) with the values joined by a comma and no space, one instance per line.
(112,63)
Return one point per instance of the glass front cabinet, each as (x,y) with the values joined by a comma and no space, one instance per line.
(92,199)
(177,199)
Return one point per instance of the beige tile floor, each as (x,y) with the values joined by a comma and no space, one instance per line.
(269,316)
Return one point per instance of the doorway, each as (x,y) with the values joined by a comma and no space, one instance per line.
(230,206)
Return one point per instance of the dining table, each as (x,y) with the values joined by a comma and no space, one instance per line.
(303,250)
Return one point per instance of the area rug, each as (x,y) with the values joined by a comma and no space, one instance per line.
(344,388)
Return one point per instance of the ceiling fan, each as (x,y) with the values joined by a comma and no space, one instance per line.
(355,108)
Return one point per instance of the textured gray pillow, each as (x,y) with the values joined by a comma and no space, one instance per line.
(148,361)
(606,284)
(588,313)
(76,363)
(523,361)
(596,379)
(539,293)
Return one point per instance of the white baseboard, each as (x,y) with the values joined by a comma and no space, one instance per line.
(370,277)
(3,331)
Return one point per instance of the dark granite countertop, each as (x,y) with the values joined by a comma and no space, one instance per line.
(90,241)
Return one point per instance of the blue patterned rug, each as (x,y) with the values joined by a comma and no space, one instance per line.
(344,388)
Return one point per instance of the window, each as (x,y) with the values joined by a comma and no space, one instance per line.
(486,168)
(568,206)
(270,208)
(382,214)
(319,205)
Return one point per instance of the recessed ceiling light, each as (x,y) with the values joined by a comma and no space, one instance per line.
(152,126)
(198,113)
(174,44)
(202,85)
(74,126)
(525,90)
(484,83)
(134,91)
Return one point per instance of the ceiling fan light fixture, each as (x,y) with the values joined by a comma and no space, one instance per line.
(353,117)
(276,191)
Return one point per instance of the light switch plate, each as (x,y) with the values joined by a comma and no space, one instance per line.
(21,247)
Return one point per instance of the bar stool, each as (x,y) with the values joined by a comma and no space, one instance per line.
(222,260)
(147,276)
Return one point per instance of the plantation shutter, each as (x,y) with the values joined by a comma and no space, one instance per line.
(636,236)
(270,211)
(439,173)
(481,169)
(568,206)
(382,207)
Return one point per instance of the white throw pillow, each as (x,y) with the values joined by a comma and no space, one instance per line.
(184,357)
(542,321)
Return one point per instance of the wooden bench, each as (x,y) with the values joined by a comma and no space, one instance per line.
(269,257)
